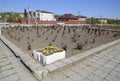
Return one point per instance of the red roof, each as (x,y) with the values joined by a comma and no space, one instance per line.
(68,16)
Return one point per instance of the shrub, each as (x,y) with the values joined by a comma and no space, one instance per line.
(93,40)
(64,47)
(29,47)
(79,46)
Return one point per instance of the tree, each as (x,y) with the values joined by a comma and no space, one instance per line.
(57,16)
(17,16)
(25,14)
(92,21)
(113,21)
(4,16)
(10,17)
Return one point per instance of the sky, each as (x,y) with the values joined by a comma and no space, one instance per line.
(89,8)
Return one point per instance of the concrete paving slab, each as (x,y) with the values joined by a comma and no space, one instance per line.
(99,67)
(13,77)
(11,69)
(8,72)
(7,67)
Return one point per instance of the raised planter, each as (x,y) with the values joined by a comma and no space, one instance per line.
(48,54)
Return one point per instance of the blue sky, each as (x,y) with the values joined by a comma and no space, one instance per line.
(94,8)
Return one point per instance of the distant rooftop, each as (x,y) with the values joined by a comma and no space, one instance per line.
(68,16)
(102,18)
(81,16)
(42,11)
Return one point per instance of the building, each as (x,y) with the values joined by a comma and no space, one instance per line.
(0,15)
(67,17)
(21,14)
(40,15)
(103,20)
(82,18)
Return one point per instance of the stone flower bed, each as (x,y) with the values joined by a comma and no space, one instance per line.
(49,54)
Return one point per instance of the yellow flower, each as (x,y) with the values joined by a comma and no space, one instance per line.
(60,50)
(50,50)
(55,50)
(45,52)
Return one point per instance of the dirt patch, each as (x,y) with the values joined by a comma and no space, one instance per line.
(72,39)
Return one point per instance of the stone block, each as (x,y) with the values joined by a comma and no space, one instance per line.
(40,74)
(11,78)
(7,67)
(51,67)
(8,72)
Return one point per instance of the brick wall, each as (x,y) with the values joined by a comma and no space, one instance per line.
(50,22)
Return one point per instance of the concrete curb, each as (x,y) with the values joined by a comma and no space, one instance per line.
(36,68)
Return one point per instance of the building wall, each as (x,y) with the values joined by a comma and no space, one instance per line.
(103,21)
(44,16)
(50,22)
(82,19)
(22,15)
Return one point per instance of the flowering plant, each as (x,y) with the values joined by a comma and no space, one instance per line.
(48,50)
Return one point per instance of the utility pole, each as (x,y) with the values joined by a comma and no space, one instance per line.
(101,21)
(28,15)
(0,30)
(90,22)
(116,21)
(78,17)
(33,15)
(4,20)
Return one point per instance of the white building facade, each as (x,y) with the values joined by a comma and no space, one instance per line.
(82,18)
(42,16)
(103,20)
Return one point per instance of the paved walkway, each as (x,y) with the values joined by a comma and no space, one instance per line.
(104,66)
(11,68)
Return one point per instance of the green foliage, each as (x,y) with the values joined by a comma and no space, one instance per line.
(57,16)
(3,16)
(48,50)
(92,21)
(96,21)
(25,14)
(9,16)
(113,21)
(42,75)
